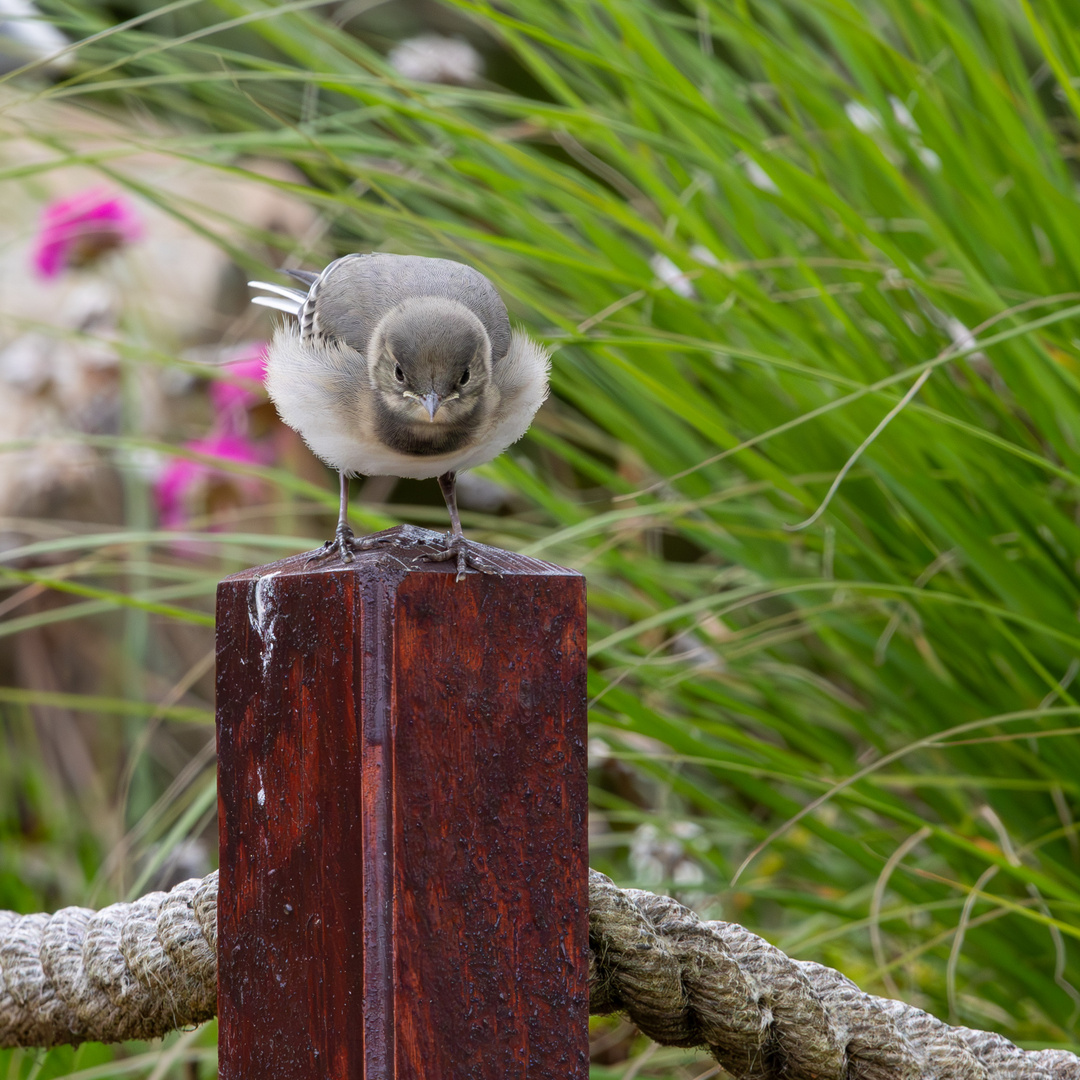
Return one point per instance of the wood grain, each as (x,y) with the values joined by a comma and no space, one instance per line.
(402,811)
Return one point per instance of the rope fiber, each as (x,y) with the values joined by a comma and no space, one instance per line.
(139,970)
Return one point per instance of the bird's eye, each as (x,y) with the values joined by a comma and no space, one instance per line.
(464,377)
(398,373)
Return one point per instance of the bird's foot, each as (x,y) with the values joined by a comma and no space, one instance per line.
(442,547)
(346,544)
(455,546)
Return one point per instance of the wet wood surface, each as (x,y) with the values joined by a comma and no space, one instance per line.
(402,799)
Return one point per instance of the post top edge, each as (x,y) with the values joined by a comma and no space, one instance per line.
(398,560)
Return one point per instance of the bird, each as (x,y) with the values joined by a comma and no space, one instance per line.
(401,365)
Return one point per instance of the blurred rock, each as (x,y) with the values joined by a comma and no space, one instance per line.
(116,276)
(25,37)
(187,859)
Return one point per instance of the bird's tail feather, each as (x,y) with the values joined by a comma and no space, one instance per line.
(284,299)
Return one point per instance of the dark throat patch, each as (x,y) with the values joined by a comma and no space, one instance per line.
(421,438)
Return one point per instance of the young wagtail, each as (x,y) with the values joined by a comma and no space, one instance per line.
(401,366)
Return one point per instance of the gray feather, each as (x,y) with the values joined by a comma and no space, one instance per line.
(353,293)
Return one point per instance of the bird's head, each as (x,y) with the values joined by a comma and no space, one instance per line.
(431,362)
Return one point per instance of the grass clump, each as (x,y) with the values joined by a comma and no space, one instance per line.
(809,275)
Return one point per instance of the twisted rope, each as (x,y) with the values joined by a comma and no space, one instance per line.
(140,970)
(129,971)
(764,1016)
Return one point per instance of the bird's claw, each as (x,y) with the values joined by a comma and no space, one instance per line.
(455,546)
(345,545)
(448,546)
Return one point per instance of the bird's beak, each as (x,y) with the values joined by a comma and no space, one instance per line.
(431,402)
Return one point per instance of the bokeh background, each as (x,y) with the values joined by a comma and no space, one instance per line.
(809,273)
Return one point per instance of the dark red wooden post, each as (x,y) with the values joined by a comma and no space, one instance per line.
(402,799)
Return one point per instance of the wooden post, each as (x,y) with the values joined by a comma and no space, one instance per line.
(402,801)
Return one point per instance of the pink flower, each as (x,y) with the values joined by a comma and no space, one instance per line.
(77,230)
(183,489)
(233,397)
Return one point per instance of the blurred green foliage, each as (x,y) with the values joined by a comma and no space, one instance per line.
(751,232)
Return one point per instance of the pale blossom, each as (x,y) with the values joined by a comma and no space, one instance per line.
(655,858)
(704,255)
(869,122)
(962,338)
(926,155)
(866,120)
(903,115)
(434,58)
(672,276)
(757,175)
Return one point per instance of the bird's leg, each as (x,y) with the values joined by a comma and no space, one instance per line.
(457,547)
(448,487)
(344,543)
(343,535)
(453,546)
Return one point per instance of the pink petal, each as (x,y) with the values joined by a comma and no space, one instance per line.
(232,398)
(82,226)
(182,479)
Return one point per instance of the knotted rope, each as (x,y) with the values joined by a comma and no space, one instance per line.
(139,970)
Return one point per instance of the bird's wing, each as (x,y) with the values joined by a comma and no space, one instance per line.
(308,277)
(348,299)
(354,293)
(303,303)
